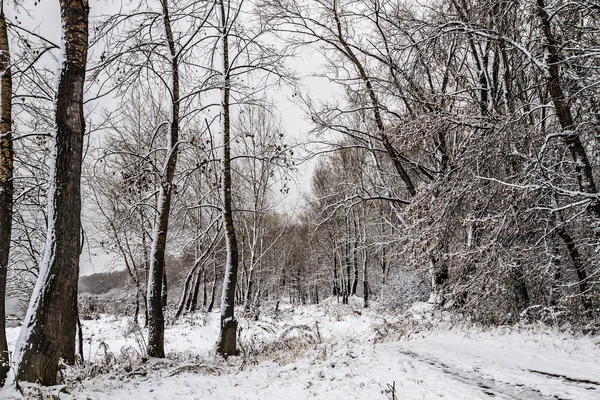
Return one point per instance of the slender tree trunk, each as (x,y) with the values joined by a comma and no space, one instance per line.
(554,85)
(355,260)
(348,263)
(250,286)
(227,343)
(577,265)
(213,289)
(80,338)
(165,292)
(157,276)
(336,286)
(394,154)
(146,273)
(136,314)
(204,291)
(200,276)
(6,185)
(520,287)
(365,281)
(365,268)
(49,329)
(185,294)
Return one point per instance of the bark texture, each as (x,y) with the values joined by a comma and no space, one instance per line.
(562,107)
(227,344)
(6,185)
(157,276)
(49,329)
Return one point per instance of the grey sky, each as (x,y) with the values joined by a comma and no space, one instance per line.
(44,18)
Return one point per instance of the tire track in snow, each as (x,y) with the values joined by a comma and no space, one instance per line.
(488,386)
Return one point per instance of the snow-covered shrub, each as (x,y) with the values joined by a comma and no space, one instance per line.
(283,346)
(402,288)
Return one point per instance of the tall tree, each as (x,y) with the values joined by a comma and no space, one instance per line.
(6,183)
(48,332)
(227,343)
(157,276)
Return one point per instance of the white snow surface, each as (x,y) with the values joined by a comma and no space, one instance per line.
(332,351)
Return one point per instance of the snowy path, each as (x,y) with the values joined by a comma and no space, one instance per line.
(341,361)
(508,380)
(419,369)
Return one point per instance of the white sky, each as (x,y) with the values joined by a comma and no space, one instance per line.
(44,18)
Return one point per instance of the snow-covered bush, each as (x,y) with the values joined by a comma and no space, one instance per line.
(402,288)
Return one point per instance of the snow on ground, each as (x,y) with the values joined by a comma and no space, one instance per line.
(331,351)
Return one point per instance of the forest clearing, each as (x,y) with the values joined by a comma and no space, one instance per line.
(334,351)
(299,198)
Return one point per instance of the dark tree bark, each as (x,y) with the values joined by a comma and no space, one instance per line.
(185,300)
(227,343)
(554,85)
(157,276)
(201,278)
(355,260)
(213,289)
(395,156)
(193,304)
(336,286)
(520,287)
(49,329)
(204,291)
(165,292)
(577,265)
(6,184)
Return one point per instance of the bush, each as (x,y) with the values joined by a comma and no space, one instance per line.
(402,288)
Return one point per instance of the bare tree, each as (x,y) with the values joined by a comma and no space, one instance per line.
(48,332)
(227,342)
(157,274)
(6,184)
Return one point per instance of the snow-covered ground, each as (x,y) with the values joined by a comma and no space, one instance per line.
(331,351)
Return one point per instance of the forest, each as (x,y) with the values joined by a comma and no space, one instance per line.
(246,157)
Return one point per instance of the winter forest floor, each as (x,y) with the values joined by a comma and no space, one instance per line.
(332,351)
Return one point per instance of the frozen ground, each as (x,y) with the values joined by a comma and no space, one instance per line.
(331,351)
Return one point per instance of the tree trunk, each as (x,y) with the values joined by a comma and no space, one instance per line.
(577,265)
(336,286)
(165,292)
(136,314)
(204,291)
(520,287)
(48,332)
(583,167)
(249,286)
(227,343)
(213,289)
(185,294)
(365,269)
(394,155)
(146,274)
(355,260)
(80,338)
(6,185)
(200,276)
(157,276)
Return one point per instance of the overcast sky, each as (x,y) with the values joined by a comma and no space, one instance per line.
(44,18)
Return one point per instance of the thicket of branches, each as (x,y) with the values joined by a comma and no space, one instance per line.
(456,160)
